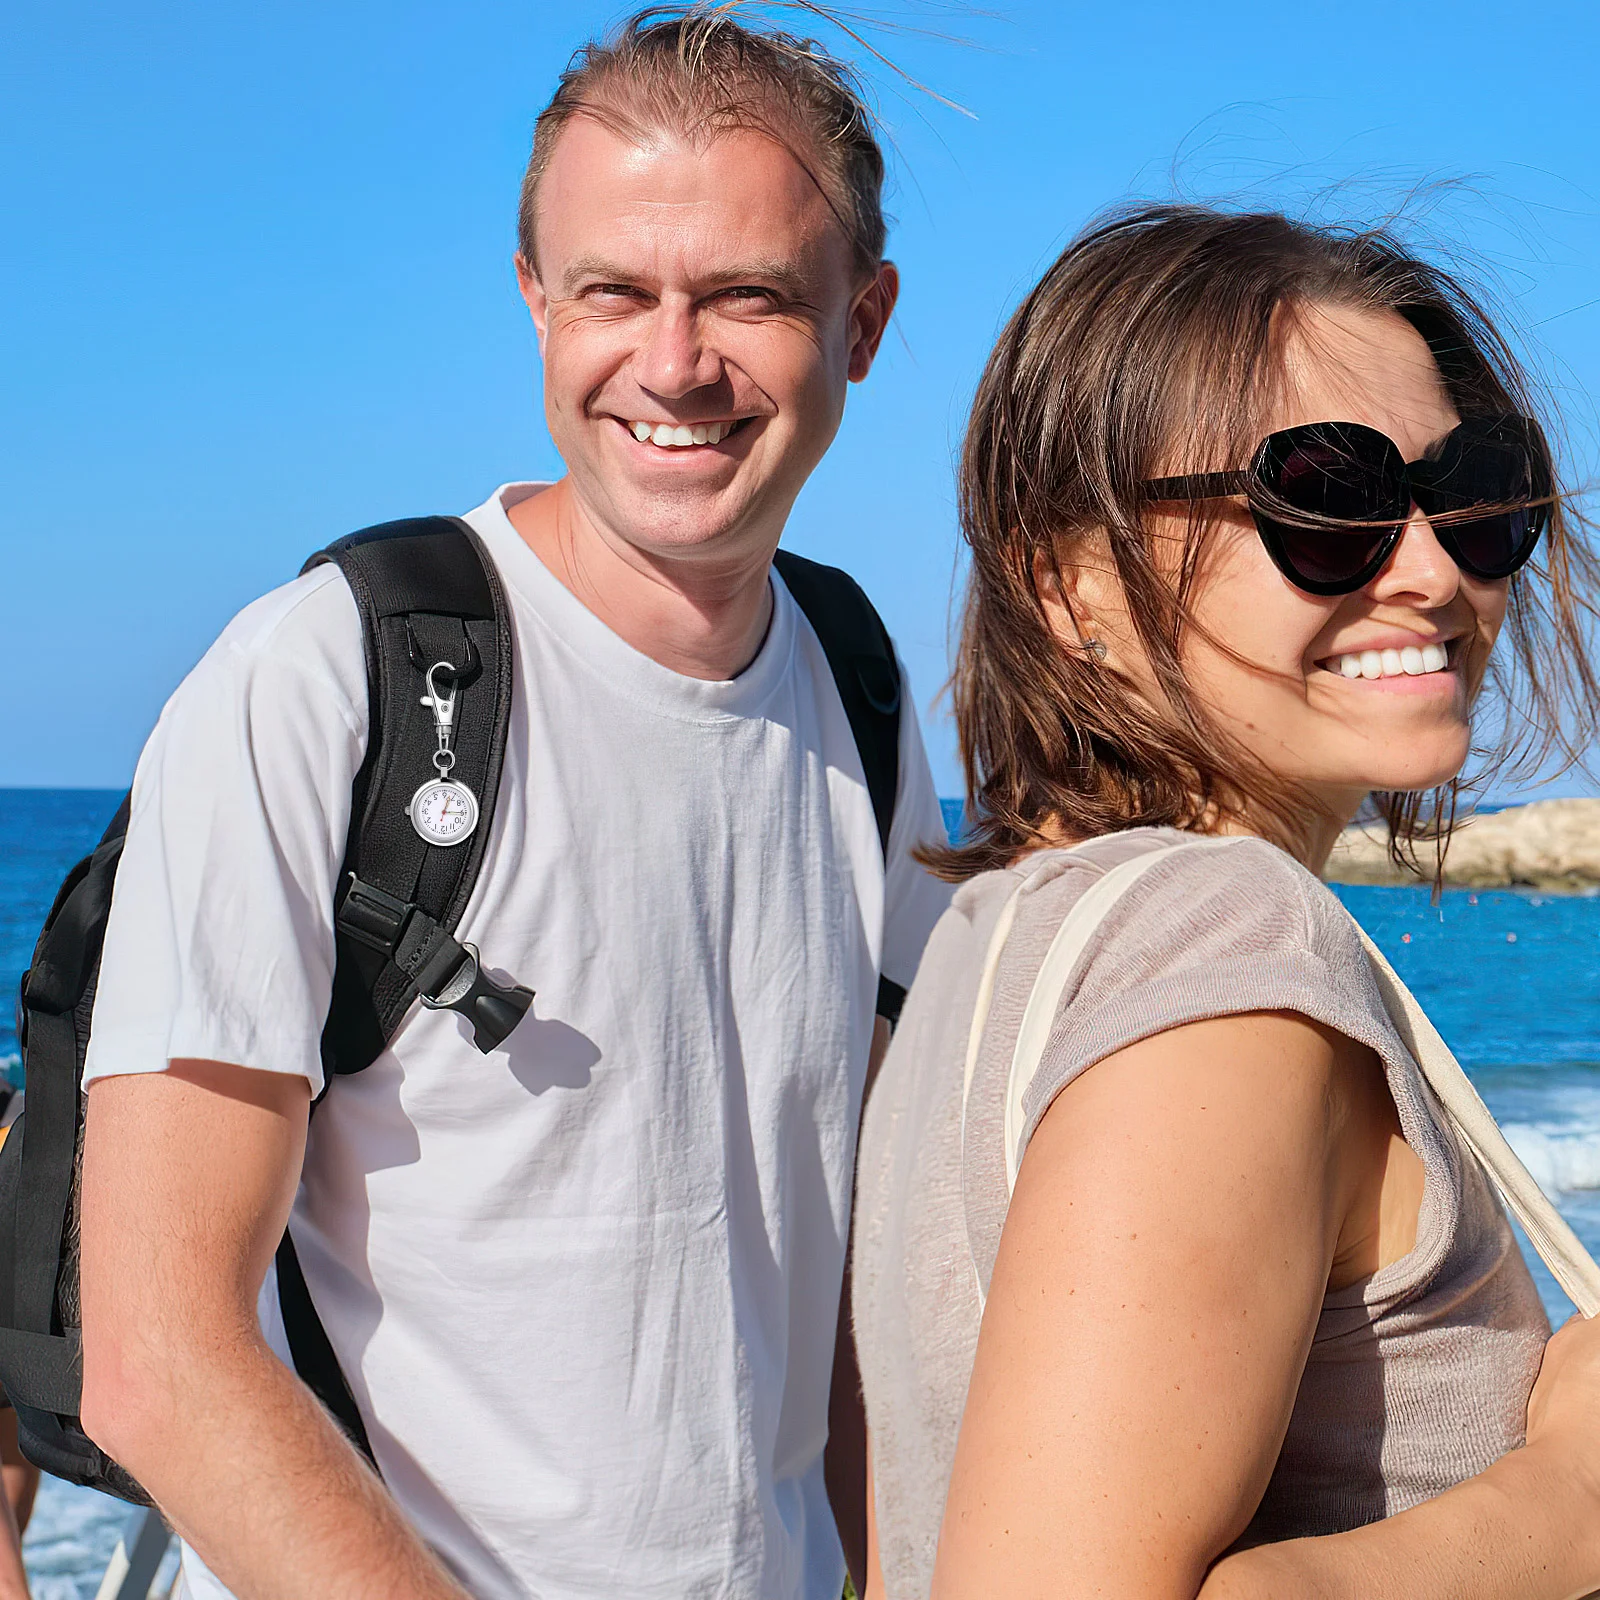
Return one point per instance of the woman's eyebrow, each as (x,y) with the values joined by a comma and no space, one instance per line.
(1431,450)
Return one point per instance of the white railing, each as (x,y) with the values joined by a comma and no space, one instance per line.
(138,1554)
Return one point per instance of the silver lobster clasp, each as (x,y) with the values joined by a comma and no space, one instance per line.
(442,702)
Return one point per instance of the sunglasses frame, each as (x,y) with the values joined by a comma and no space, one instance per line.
(1411,476)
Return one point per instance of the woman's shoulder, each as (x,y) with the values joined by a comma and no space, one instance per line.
(1216,923)
(1209,929)
(1168,874)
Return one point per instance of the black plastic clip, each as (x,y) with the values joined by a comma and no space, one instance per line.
(493,1009)
(448,974)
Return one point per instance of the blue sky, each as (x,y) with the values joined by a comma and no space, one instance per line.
(257,282)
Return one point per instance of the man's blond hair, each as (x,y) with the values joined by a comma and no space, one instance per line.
(697,71)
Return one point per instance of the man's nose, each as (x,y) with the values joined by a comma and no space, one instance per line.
(1421,571)
(675,359)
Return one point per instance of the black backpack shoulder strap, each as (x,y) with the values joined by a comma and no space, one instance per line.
(865,671)
(861,658)
(427,593)
(40,1339)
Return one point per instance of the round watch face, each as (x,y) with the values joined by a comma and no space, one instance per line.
(444,812)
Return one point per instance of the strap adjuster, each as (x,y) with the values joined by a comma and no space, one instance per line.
(447,975)
(371,917)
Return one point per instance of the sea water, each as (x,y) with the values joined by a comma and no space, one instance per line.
(1511,979)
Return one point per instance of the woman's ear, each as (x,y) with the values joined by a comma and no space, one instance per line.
(1076,596)
(1056,590)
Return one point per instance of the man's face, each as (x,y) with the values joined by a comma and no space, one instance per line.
(699,315)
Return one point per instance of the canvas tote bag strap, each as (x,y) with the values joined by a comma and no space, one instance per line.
(1574,1268)
(980,1016)
(1078,927)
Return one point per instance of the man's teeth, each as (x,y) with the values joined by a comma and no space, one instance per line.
(675,438)
(1410,662)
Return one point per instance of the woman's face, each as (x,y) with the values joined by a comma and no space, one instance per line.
(1287,700)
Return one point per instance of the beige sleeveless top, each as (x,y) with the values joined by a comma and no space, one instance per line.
(1417,1377)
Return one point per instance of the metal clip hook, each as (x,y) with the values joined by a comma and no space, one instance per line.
(442,704)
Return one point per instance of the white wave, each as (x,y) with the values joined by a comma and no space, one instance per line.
(1560,1160)
(7,1062)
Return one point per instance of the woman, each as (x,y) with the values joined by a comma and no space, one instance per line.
(1249,504)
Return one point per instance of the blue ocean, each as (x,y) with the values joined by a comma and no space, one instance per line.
(1511,979)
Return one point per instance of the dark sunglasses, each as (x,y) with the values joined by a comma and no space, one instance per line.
(1331,499)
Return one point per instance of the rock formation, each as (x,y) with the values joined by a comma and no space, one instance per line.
(1550,844)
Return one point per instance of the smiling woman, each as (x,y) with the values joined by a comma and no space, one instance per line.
(1235,334)
(1174,1280)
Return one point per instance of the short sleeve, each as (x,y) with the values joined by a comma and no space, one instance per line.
(220,939)
(913,899)
(1209,932)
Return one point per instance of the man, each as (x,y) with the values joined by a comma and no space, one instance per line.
(584,1289)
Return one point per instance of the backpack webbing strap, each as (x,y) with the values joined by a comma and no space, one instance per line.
(426,592)
(49,1140)
(861,658)
(314,1359)
(56,991)
(43,1370)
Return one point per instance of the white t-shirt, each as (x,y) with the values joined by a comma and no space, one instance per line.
(584,1288)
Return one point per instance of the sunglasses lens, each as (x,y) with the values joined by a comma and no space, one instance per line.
(1331,497)
(1494,547)
(1486,464)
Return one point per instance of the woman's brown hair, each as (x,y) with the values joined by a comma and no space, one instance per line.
(1154,336)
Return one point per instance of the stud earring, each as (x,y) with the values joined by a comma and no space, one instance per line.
(1095,648)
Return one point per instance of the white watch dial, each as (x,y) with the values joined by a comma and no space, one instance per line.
(444,812)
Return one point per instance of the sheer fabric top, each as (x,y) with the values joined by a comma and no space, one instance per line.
(1417,1378)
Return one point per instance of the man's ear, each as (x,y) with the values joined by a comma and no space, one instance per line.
(533,296)
(869,317)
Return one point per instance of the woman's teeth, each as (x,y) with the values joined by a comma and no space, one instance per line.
(1410,662)
(671,438)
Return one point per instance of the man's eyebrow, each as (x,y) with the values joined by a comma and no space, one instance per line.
(595,269)
(783,276)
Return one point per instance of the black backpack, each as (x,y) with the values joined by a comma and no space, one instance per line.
(428,595)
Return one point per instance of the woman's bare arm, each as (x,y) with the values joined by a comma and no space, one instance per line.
(874,1589)
(1529,1526)
(1157,1286)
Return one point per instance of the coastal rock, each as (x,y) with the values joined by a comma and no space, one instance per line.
(1550,844)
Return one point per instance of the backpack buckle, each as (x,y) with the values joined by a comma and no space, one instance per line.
(492,1008)
(448,974)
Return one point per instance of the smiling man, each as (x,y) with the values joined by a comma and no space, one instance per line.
(584,1289)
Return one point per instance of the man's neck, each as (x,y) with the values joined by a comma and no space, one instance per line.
(704,620)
